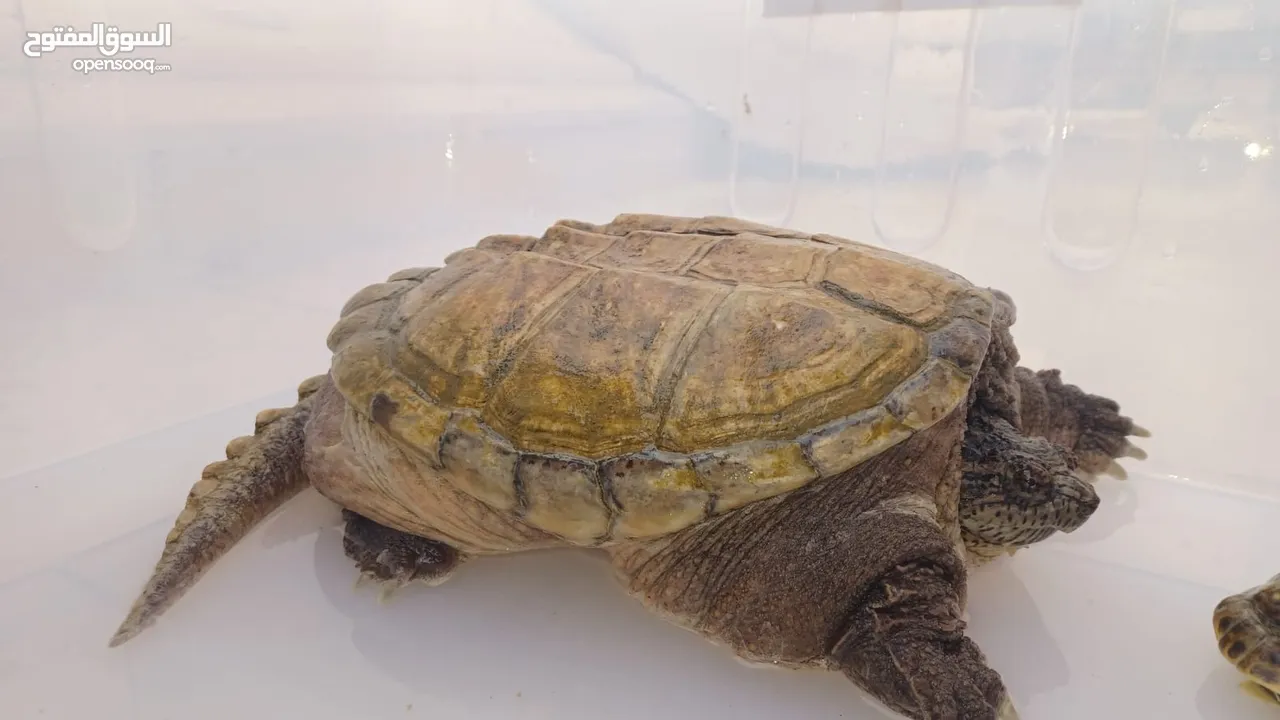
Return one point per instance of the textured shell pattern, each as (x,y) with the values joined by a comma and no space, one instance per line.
(1247,626)
(628,380)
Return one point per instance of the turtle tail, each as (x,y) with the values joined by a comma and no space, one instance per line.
(260,474)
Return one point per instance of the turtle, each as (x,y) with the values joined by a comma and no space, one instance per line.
(795,444)
(1247,625)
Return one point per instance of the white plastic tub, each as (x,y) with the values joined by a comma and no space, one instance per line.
(177,245)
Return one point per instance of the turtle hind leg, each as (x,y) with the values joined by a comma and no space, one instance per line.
(1089,425)
(393,558)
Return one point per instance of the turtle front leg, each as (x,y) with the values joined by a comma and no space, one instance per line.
(848,574)
(394,558)
(1089,425)
(877,595)
(906,642)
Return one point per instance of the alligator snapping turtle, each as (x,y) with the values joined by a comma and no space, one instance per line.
(1247,626)
(766,431)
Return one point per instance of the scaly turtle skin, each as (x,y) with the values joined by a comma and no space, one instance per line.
(1247,626)
(766,430)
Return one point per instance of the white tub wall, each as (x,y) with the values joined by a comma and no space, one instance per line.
(178,246)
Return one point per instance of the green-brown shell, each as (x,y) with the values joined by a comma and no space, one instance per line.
(1247,626)
(628,380)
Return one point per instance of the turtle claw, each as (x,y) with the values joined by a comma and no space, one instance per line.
(393,570)
(392,559)
(386,591)
(1105,438)
(386,587)
(1133,451)
(1117,471)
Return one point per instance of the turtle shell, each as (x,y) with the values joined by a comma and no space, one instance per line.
(1247,626)
(619,381)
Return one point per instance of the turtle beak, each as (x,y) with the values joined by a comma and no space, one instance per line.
(1076,502)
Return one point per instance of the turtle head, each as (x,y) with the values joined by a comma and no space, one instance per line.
(1018,490)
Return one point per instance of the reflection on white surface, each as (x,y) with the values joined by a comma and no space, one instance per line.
(1254,150)
(177,247)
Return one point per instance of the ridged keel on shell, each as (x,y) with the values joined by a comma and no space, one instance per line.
(628,380)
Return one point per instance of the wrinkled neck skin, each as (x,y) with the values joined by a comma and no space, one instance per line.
(1016,490)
